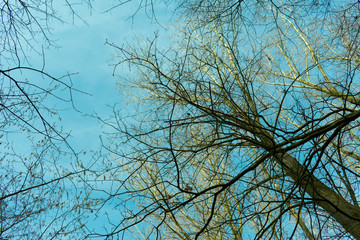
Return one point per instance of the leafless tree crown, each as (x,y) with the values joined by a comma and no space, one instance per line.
(247,126)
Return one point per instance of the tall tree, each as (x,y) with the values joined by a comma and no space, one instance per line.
(247,126)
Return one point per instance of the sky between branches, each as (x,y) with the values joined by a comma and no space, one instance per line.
(82,49)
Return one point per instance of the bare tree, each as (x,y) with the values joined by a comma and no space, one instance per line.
(247,126)
(39,197)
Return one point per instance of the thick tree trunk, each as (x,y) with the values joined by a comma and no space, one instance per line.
(340,209)
(345,213)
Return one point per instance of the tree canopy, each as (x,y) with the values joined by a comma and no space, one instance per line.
(247,126)
(35,201)
(243,124)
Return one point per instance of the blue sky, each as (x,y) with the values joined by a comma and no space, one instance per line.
(82,50)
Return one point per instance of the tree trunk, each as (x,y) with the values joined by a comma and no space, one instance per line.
(340,209)
(345,213)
